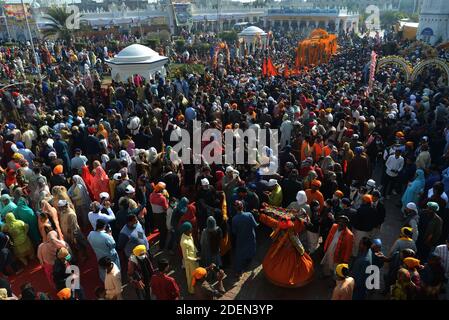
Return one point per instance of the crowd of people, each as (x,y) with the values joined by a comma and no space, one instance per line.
(89,169)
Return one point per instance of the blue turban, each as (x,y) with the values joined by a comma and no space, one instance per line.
(20,145)
(377,242)
(186,226)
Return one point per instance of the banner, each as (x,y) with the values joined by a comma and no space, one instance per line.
(372,71)
(16,11)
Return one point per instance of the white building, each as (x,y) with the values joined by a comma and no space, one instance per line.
(136,59)
(434,22)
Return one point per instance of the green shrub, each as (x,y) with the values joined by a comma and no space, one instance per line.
(180,45)
(229,36)
(113,44)
(201,48)
(176,70)
(152,43)
(164,36)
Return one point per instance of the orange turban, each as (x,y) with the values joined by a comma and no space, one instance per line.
(159,187)
(339,194)
(59,169)
(316,183)
(400,134)
(64,294)
(367,198)
(410,144)
(198,274)
(411,262)
(234,106)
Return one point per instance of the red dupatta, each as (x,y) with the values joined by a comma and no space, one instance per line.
(87,177)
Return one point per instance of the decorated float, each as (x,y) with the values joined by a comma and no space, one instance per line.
(317,49)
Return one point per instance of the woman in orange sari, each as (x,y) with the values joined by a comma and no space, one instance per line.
(100,181)
(286,263)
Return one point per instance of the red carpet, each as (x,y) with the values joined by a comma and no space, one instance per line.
(35,275)
(89,277)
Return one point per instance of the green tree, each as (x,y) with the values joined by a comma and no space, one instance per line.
(389,18)
(57,26)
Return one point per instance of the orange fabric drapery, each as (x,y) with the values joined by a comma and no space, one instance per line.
(316,49)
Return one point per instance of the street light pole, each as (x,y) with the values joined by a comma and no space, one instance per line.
(218,17)
(6,21)
(31,41)
(140,23)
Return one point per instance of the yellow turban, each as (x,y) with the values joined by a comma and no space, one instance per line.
(411,263)
(339,269)
(17,156)
(198,274)
(404,229)
(139,250)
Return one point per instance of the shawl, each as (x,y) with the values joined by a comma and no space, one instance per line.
(100,182)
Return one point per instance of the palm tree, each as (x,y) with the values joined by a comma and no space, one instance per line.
(58,18)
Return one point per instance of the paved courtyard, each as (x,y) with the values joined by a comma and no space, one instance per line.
(254,286)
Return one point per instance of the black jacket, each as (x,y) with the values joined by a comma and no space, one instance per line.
(380,213)
(366,218)
(93,145)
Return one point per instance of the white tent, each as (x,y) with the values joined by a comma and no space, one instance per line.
(136,59)
(249,36)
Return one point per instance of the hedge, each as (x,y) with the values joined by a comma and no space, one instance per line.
(176,70)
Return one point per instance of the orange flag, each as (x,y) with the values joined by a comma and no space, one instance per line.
(271,68)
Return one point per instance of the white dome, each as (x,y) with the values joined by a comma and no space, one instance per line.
(136,53)
(252,31)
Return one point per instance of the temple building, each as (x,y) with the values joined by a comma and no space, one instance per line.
(434,22)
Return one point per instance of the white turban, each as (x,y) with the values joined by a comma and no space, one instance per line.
(301,197)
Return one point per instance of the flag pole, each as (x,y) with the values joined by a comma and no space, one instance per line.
(6,20)
(31,41)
